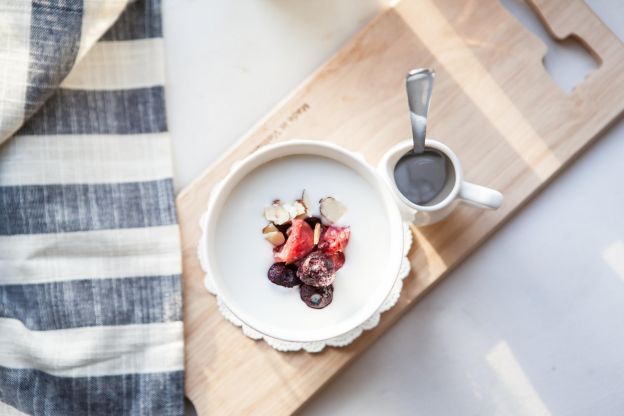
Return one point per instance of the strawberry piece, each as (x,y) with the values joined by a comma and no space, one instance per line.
(334,239)
(300,242)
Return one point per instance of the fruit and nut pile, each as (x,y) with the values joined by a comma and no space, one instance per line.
(307,250)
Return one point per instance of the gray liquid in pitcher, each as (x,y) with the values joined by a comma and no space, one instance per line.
(420,178)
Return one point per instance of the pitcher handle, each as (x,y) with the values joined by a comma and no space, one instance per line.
(480,196)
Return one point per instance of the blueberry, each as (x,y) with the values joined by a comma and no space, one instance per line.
(283,275)
(316,297)
(317,269)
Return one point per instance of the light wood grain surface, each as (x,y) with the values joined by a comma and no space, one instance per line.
(494,104)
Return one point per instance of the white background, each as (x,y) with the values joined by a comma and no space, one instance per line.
(532,323)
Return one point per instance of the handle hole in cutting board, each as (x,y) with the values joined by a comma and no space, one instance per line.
(189,408)
(568,61)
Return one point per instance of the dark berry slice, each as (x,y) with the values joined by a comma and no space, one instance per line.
(316,297)
(283,275)
(312,221)
(334,239)
(318,269)
(338,258)
(284,227)
(299,243)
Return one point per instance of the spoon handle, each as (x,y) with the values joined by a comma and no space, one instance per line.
(419,84)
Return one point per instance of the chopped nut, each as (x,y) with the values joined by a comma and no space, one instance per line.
(273,235)
(296,210)
(276,213)
(332,209)
(269,228)
(317,233)
(300,210)
(289,209)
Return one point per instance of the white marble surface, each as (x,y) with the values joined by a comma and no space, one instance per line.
(532,323)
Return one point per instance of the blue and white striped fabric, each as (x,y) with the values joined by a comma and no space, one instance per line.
(90,297)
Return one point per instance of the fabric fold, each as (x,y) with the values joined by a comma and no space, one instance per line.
(90,258)
(43,41)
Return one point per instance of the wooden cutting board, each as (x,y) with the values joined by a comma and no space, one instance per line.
(494,104)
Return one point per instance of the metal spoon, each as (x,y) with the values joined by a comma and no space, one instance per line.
(420,174)
(419,86)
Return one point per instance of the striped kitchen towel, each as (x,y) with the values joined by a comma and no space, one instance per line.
(90,297)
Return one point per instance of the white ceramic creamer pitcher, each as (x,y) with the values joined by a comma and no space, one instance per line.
(455,189)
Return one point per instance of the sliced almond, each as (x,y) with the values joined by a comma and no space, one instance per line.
(305,200)
(299,209)
(276,213)
(317,233)
(275,237)
(332,209)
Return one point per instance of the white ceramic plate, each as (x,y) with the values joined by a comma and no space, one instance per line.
(238,257)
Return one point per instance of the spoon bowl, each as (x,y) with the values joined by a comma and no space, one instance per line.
(421,176)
